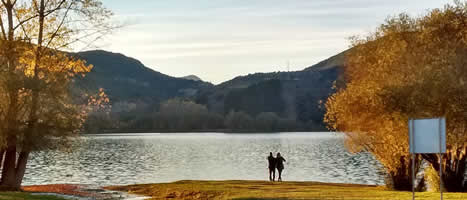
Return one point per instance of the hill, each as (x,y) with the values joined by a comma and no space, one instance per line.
(136,93)
(192,77)
(335,61)
(297,96)
(127,79)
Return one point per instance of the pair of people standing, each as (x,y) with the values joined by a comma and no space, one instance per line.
(275,163)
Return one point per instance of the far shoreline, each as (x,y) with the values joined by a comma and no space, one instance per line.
(224,131)
(207,133)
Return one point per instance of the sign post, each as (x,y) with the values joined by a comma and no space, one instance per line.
(427,136)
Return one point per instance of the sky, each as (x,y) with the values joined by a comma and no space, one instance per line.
(218,40)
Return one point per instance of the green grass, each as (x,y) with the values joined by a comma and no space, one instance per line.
(24,195)
(262,190)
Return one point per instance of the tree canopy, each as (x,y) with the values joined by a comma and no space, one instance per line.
(36,108)
(410,67)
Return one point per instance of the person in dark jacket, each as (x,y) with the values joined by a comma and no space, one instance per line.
(280,165)
(272,167)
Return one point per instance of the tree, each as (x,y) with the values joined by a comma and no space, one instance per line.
(179,114)
(260,97)
(267,121)
(37,111)
(408,68)
(238,121)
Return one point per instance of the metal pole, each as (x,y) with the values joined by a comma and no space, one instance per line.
(440,159)
(441,176)
(413,176)
(411,132)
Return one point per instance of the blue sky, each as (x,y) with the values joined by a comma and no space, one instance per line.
(220,39)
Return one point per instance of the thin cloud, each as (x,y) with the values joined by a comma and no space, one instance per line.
(218,40)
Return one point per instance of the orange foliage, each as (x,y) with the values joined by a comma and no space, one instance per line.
(409,68)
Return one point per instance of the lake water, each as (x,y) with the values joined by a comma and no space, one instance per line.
(119,159)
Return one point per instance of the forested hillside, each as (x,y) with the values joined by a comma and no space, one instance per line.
(283,100)
(127,79)
(292,95)
(135,91)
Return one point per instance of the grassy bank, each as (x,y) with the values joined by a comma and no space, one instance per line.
(262,190)
(25,195)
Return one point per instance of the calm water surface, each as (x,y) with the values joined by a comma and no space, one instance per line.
(153,158)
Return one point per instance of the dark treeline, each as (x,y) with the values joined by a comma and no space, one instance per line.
(181,115)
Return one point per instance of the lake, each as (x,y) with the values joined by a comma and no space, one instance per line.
(120,159)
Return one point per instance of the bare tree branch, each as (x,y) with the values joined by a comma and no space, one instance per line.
(22,27)
(47,13)
(3,28)
(59,26)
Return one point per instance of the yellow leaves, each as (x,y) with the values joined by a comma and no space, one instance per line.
(40,72)
(52,65)
(99,102)
(410,67)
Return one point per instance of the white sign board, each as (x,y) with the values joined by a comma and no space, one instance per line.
(427,135)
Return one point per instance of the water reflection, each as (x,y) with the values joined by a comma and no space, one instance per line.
(152,158)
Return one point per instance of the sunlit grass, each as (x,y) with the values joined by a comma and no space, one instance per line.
(24,195)
(262,190)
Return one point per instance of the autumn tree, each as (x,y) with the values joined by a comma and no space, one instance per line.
(37,111)
(408,68)
(182,114)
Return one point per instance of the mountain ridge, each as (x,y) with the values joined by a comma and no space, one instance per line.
(119,74)
(137,91)
(192,77)
(302,91)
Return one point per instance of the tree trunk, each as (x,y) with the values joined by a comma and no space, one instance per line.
(2,153)
(453,175)
(9,161)
(399,182)
(402,179)
(9,169)
(17,169)
(13,170)
(21,168)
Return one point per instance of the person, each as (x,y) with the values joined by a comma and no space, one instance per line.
(272,167)
(280,165)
